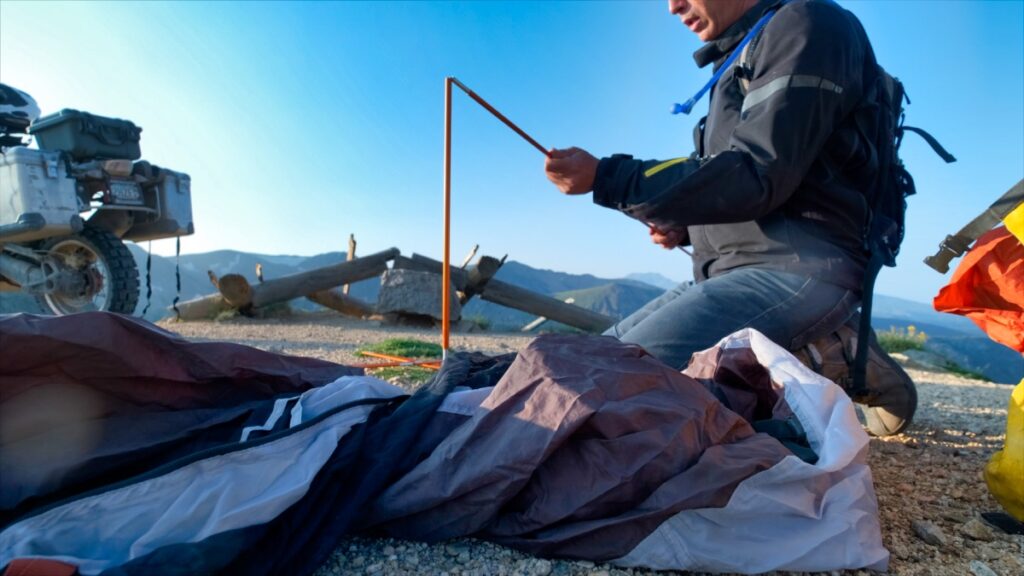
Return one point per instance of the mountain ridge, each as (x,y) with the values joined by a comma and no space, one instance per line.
(955,337)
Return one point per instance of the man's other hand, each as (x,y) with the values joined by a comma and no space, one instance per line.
(667,239)
(572,170)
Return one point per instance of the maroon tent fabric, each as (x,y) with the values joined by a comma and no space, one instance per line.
(124,448)
(91,398)
(582,449)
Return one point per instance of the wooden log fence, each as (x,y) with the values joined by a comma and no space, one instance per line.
(319,286)
(541,319)
(349,256)
(515,297)
(341,302)
(287,287)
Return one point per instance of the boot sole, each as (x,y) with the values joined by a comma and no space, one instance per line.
(876,417)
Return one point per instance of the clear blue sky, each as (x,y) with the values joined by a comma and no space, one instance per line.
(303,122)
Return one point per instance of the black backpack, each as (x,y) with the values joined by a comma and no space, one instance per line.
(885,229)
(881,115)
(887,200)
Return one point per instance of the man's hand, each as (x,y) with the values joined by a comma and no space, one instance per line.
(572,170)
(667,239)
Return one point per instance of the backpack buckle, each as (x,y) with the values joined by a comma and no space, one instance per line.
(954,245)
(950,248)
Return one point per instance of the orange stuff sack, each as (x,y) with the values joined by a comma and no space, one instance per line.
(988,288)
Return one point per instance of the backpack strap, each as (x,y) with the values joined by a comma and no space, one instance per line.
(698,136)
(745,65)
(949,158)
(859,387)
(956,244)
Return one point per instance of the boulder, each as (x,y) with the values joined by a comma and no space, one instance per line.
(416,293)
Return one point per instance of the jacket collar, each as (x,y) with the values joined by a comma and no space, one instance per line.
(723,45)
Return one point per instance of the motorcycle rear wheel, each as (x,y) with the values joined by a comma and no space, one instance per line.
(112,277)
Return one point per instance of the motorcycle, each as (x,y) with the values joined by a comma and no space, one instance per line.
(68,207)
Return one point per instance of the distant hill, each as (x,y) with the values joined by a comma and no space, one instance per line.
(546,281)
(970,348)
(995,361)
(653,279)
(616,299)
(909,311)
(497,317)
(954,337)
(195,281)
(319,261)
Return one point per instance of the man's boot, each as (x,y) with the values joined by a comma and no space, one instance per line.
(890,399)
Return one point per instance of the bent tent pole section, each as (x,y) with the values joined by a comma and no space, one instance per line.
(445,270)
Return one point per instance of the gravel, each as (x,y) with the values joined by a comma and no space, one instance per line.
(928,480)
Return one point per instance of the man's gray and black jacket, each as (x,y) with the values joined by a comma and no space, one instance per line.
(779,176)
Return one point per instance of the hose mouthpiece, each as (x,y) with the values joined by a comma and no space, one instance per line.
(684,108)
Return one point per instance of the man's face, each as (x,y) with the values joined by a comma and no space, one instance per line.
(709,18)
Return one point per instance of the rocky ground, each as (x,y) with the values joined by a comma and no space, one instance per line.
(928,480)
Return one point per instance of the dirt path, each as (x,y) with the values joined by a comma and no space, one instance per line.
(928,476)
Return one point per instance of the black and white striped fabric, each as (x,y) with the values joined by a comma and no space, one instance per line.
(212,458)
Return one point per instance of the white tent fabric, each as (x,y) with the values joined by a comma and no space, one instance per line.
(794,516)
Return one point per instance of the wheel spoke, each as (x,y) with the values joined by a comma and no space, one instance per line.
(110,275)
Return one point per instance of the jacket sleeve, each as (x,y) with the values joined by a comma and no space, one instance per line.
(807,77)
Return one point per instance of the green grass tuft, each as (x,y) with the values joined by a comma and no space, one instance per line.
(406,347)
(900,340)
(480,322)
(959,370)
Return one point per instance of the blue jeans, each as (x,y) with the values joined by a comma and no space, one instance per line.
(789,309)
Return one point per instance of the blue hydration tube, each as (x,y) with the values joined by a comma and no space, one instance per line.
(688,106)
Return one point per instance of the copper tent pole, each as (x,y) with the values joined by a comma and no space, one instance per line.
(445,272)
(378,365)
(398,361)
(499,116)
